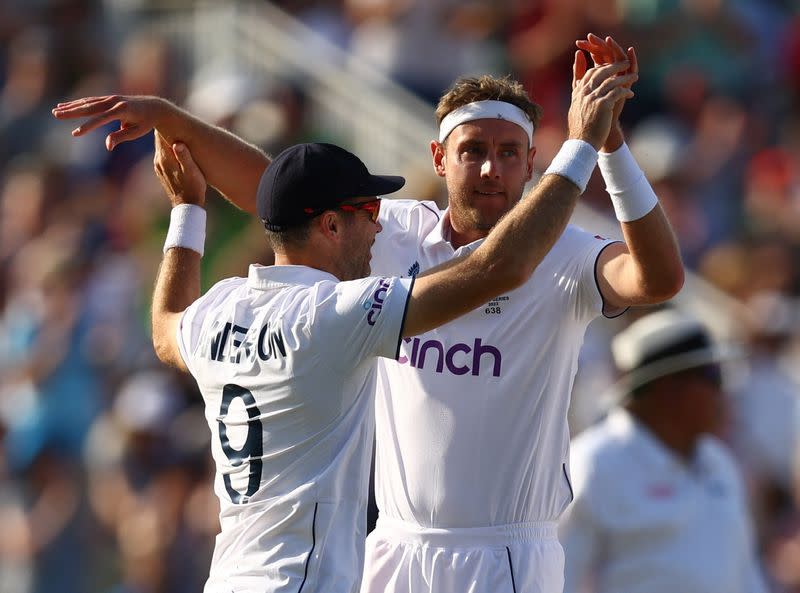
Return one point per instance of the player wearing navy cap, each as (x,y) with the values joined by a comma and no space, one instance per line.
(285,357)
(472,440)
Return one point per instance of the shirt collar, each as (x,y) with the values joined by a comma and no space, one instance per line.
(270,277)
(440,235)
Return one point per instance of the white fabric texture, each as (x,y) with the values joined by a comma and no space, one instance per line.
(644,522)
(486,110)
(575,161)
(187,228)
(472,418)
(406,559)
(631,194)
(285,362)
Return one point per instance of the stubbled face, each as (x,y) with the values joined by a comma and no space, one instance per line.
(356,249)
(486,164)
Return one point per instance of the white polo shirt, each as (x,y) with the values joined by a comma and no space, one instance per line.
(284,361)
(472,419)
(645,522)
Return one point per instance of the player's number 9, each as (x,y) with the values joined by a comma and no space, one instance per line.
(252,449)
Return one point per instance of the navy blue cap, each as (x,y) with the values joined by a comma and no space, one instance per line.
(306,179)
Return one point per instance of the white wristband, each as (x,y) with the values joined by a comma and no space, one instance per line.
(187,228)
(631,193)
(575,161)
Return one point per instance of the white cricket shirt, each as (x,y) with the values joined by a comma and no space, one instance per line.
(284,361)
(644,522)
(472,418)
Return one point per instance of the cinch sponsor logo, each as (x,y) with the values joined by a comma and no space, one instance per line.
(374,307)
(458,359)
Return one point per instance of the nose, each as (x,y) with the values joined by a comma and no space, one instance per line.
(489,168)
(380,227)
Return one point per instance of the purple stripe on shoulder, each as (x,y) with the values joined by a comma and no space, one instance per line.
(435,213)
(616,312)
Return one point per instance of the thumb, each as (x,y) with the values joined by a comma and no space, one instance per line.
(184,157)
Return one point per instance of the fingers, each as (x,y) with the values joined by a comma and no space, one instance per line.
(597,48)
(102,111)
(609,85)
(616,94)
(184,157)
(125,134)
(163,154)
(84,107)
(94,123)
(578,67)
(633,60)
(603,51)
(596,76)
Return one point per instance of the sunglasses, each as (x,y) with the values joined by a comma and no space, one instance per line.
(371,206)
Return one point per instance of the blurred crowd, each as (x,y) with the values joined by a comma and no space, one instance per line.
(105,476)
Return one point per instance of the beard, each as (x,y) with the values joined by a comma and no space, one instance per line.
(469,212)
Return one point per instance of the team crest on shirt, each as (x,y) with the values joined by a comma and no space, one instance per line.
(496,305)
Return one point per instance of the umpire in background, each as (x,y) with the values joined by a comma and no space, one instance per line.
(659,505)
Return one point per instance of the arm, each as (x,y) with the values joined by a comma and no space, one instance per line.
(647,268)
(229,163)
(644,270)
(519,242)
(178,280)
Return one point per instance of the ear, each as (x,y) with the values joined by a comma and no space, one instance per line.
(531,154)
(438,154)
(329,225)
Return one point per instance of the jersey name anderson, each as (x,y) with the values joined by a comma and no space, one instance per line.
(229,342)
(285,362)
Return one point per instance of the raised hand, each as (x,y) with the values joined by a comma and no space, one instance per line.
(595,93)
(136,115)
(179,175)
(607,51)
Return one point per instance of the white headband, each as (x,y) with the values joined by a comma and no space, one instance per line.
(486,110)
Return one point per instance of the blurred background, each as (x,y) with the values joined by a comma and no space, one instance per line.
(105,474)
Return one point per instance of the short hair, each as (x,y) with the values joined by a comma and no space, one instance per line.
(487,88)
(290,238)
(295,236)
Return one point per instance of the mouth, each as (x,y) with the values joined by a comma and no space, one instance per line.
(489,193)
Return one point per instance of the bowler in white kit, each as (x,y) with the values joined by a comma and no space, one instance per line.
(472,439)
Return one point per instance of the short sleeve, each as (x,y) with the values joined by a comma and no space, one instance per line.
(405,225)
(190,327)
(585,249)
(360,319)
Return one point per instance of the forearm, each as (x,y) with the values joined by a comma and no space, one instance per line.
(655,259)
(177,286)
(526,234)
(230,164)
(654,270)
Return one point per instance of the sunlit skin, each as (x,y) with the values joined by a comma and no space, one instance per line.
(486,164)
(356,249)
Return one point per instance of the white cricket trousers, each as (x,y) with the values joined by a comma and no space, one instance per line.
(406,558)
